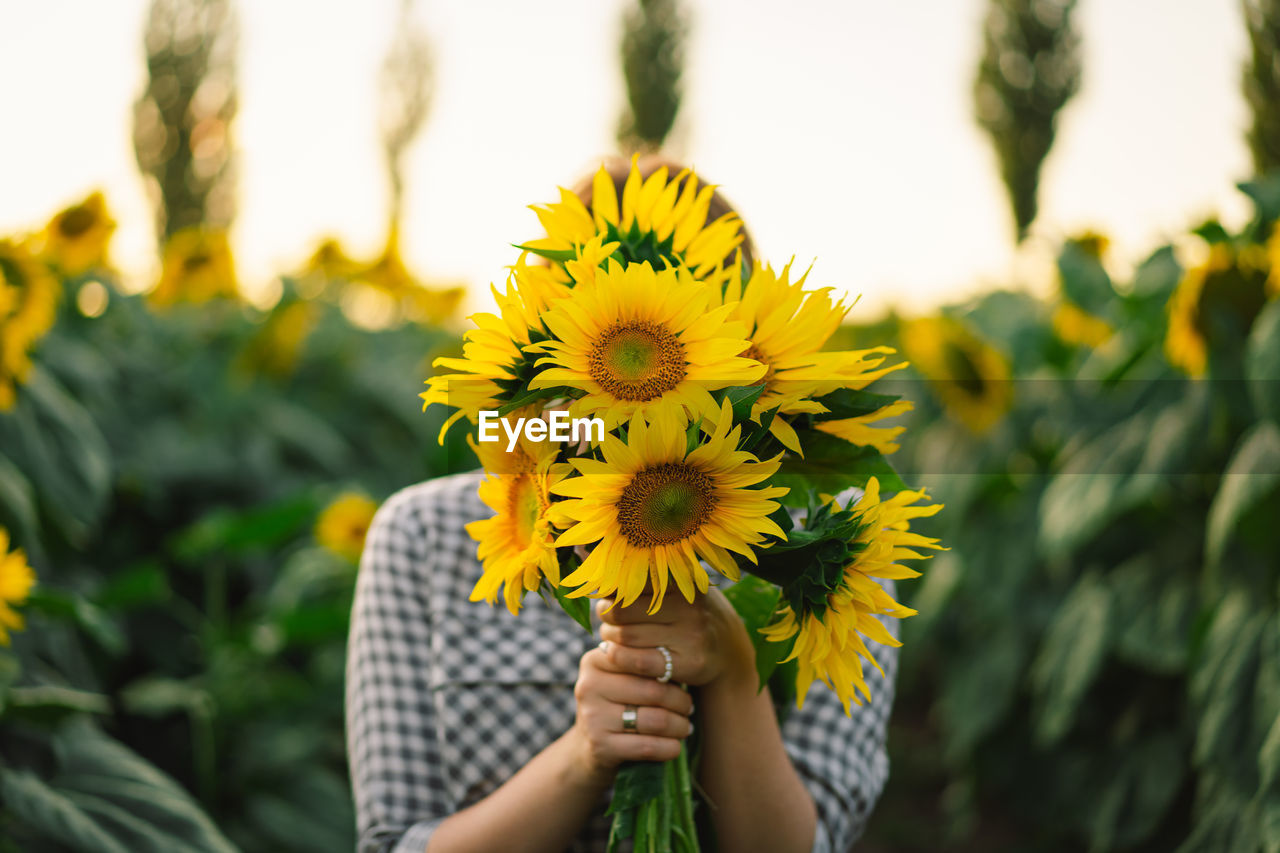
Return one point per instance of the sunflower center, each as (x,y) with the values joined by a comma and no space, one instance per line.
(754,352)
(195,261)
(524,508)
(665,504)
(1229,302)
(963,371)
(637,361)
(76,221)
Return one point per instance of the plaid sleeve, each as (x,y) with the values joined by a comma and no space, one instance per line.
(391,732)
(842,759)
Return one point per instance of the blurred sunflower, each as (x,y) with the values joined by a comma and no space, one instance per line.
(277,345)
(656,511)
(16,580)
(970,377)
(1216,303)
(657,220)
(28,307)
(197,267)
(1075,326)
(829,641)
(517,544)
(75,239)
(331,262)
(492,359)
(643,342)
(344,524)
(787,326)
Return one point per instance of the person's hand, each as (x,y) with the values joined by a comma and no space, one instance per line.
(603,692)
(706,639)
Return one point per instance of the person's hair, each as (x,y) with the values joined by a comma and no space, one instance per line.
(618,168)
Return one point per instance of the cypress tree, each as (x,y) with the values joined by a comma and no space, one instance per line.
(652,65)
(1262,82)
(1030,68)
(182,120)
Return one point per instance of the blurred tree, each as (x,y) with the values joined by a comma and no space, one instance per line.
(405,100)
(1030,68)
(652,65)
(182,119)
(1262,81)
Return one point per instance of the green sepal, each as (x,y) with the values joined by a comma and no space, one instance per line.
(831,465)
(848,403)
(559,256)
(532,395)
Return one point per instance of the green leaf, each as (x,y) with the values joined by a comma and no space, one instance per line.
(47,702)
(756,601)
(1158,275)
(742,398)
(578,608)
(1262,362)
(18,508)
(1221,684)
(1072,654)
(47,814)
(1084,280)
(236,532)
(62,453)
(637,783)
(1251,476)
(831,465)
(96,622)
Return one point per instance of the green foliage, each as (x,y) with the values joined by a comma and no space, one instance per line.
(182,665)
(652,67)
(1098,651)
(1261,82)
(1030,68)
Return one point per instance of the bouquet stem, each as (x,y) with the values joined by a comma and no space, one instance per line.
(653,805)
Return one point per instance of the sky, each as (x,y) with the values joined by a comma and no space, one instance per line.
(841,130)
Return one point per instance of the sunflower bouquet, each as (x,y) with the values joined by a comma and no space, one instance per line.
(716,431)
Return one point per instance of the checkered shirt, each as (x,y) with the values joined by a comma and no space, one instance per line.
(447,699)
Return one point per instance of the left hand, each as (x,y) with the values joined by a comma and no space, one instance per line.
(706,638)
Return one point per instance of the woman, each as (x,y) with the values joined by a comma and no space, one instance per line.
(470,729)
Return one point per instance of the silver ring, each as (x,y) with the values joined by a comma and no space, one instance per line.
(666,675)
(629,714)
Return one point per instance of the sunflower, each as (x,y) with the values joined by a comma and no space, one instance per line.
(75,240)
(1217,301)
(28,306)
(517,545)
(829,642)
(787,326)
(637,341)
(330,261)
(656,511)
(16,580)
(1075,326)
(493,363)
(344,524)
(970,377)
(657,220)
(197,267)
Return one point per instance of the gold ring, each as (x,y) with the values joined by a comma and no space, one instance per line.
(629,714)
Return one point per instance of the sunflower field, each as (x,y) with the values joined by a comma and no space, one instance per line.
(1096,663)
(185,482)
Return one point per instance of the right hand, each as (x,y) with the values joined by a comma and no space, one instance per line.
(603,692)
